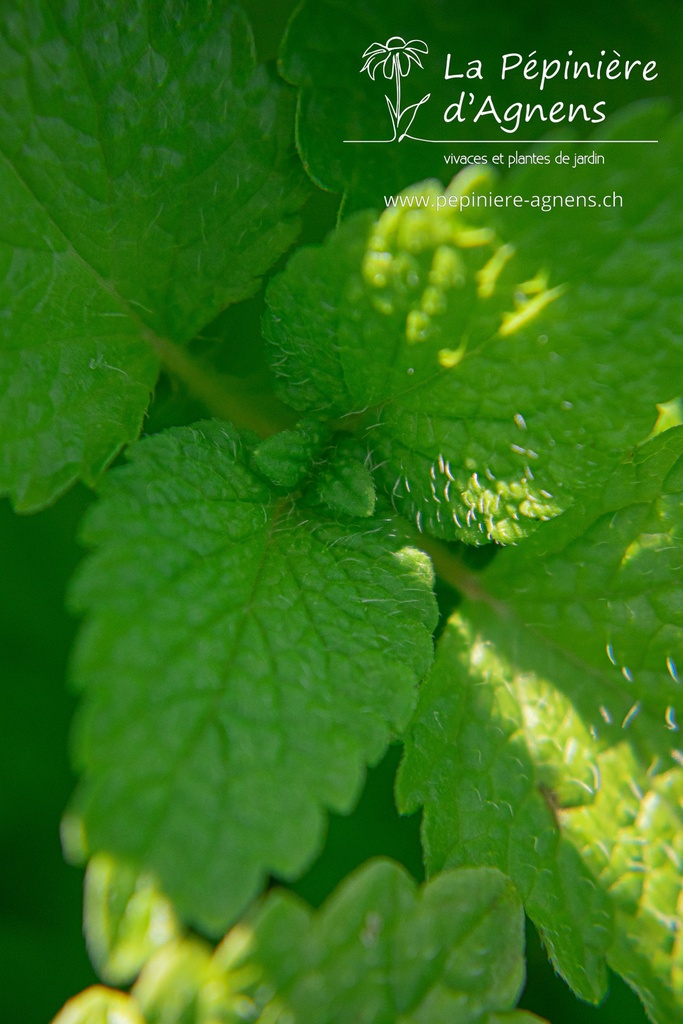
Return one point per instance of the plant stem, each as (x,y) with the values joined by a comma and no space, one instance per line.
(451,568)
(226,397)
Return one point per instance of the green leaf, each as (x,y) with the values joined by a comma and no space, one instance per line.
(286,457)
(125,918)
(491,368)
(147,180)
(381,950)
(324,51)
(545,741)
(184,983)
(99,1005)
(179,978)
(345,484)
(243,660)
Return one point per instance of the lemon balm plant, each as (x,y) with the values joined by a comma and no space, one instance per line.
(259,618)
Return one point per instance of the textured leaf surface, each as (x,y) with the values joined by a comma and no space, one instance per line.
(322,55)
(286,458)
(545,742)
(243,661)
(492,359)
(380,951)
(146,182)
(346,484)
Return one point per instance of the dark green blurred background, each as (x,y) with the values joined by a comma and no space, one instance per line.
(42,952)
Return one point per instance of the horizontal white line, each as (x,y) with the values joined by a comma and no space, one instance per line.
(518,142)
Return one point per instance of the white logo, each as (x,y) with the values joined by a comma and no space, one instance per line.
(396,58)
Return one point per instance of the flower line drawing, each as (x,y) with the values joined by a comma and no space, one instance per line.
(396,58)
